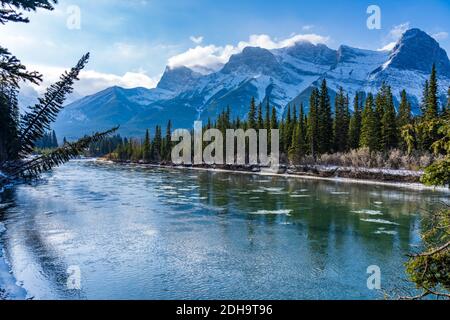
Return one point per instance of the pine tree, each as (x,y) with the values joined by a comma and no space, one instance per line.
(267,118)
(424,101)
(167,142)
(369,129)
(404,111)
(54,140)
(404,117)
(313,123)
(260,118)
(325,140)
(156,145)
(354,134)
(341,123)
(380,106)
(432,109)
(389,123)
(288,130)
(446,110)
(274,119)
(251,119)
(146,154)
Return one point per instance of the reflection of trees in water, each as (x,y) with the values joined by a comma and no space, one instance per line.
(51,267)
(328,215)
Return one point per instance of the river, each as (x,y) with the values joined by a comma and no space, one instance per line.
(133,232)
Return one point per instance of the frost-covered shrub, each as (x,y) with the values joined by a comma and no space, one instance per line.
(394,160)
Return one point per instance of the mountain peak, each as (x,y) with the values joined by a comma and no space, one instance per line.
(177,79)
(252,60)
(416,50)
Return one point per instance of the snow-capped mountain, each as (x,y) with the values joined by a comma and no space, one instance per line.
(282,76)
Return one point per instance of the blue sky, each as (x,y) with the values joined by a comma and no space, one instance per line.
(132,41)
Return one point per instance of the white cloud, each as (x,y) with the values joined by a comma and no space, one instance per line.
(393,36)
(213,57)
(196,40)
(307,27)
(440,35)
(397,31)
(92,81)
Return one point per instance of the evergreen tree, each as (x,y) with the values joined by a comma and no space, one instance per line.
(369,130)
(267,118)
(274,119)
(355,124)
(260,118)
(432,109)
(341,124)
(54,140)
(380,105)
(404,111)
(146,153)
(313,122)
(288,130)
(389,123)
(157,144)
(424,101)
(325,139)
(251,119)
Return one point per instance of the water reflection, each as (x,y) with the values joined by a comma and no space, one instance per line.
(147,233)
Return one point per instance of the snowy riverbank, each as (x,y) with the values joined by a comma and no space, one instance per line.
(406,179)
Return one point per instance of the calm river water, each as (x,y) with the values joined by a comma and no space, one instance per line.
(146,233)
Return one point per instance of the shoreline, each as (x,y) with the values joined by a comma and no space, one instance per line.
(417,186)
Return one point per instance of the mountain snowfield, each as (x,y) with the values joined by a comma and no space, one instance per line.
(281,76)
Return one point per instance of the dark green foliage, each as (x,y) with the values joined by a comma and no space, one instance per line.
(432,105)
(369,130)
(36,122)
(354,134)
(260,124)
(12,10)
(389,129)
(341,123)
(251,118)
(325,117)
(12,71)
(313,123)
(48,141)
(430,270)
(61,155)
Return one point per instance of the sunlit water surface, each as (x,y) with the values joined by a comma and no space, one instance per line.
(146,233)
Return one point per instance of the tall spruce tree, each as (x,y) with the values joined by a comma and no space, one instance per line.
(341,123)
(432,109)
(146,153)
(313,123)
(251,118)
(325,141)
(369,129)
(354,134)
(260,118)
(389,127)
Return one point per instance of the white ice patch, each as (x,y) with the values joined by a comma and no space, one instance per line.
(340,193)
(393,233)
(167,188)
(369,212)
(381,221)
(2,228)
(300,196)
(273,189)
(273,212)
